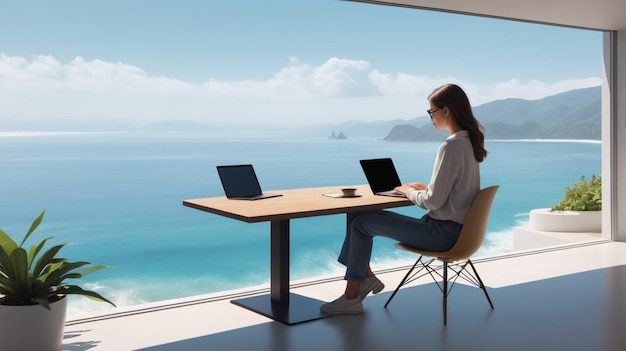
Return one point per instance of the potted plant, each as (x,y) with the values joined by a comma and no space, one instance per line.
(33,290)
(579,211)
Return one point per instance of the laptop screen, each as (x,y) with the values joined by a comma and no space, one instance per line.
(239,180)
(381,174)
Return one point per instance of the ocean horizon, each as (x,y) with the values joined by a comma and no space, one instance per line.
(117,198)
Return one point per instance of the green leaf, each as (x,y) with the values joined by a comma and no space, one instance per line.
(34,251)
(47,258)
(33,226)
(92,269)
(43,301)
(7,286)
(59,272)
(18,267)
(7,245)
(76,290)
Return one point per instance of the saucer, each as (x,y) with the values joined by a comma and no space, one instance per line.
(341,195)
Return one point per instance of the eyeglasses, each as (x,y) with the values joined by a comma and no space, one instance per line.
(431,112)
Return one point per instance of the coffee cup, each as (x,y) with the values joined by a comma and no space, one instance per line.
(348,192)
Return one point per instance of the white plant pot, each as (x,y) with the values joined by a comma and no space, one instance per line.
(32,328)
(542,219)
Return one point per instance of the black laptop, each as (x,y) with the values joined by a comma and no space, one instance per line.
(241,183)
(382,176)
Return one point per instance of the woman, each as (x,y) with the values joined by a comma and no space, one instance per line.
(454,183)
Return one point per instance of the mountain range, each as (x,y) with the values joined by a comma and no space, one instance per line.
(571,115)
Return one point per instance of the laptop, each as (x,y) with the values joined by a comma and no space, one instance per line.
(241,183)
(382,176)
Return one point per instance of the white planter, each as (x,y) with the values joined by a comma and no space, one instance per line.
(32,328)
(542,219)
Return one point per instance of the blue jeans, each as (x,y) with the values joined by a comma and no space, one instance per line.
(423,233)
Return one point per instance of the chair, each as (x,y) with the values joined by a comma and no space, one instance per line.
(458,257)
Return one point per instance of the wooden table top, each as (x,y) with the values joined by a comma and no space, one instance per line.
(297,203)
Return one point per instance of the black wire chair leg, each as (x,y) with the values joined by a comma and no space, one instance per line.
(445,293)
(406,277)
(482,285)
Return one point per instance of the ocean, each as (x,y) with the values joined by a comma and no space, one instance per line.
(117,198)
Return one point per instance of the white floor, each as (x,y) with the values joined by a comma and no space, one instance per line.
(568,299)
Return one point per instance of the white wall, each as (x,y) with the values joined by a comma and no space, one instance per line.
(614,136)
(620,124)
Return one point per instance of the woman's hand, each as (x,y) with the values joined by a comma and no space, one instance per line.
(406,188)
(418,186)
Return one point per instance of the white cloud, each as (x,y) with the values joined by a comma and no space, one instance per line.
(340,77)
(339,89)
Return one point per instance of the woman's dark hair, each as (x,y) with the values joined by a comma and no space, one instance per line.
(455,99)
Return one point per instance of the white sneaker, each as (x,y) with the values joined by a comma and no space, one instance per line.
(342,305)
(371,284)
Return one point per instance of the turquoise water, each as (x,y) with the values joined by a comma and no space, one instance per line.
(118,199)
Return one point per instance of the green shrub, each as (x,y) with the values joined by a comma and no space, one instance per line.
(583,196)
(37,276)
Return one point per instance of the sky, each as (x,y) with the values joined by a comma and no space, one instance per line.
(273,63)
